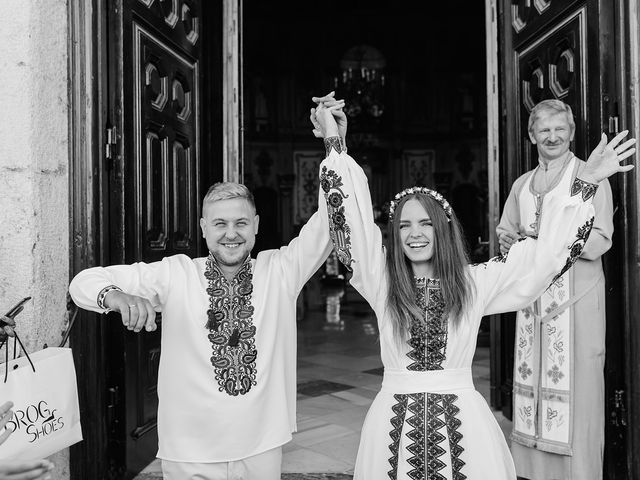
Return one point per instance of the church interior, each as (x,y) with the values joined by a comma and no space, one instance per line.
(415,91)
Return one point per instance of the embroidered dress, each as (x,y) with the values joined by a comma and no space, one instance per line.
(428,421)
(558,428)
(226,381)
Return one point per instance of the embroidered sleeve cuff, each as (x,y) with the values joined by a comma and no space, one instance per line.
(587,189)
(333,143)
(103,294)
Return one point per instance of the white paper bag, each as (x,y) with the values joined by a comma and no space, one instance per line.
(46,414)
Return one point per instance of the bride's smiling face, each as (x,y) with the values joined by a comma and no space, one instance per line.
(416,233)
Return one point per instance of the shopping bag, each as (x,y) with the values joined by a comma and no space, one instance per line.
(46,414)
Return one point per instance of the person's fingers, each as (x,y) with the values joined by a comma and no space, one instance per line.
(26,469)
(6,407)
(123,308)
(5,418)
(8,320)
(513,237)
(7,414)
(44,476)
(317,129)
(621,148)
(150,324)
(507,237)
(327,97)
(625,168)
(133,315)
(617,139)
(602,144)
(332,103)
(141,319)
(5,435)
(335,108)
(626,154)
(39,473)
(313,119)
(10,331)
(323,99)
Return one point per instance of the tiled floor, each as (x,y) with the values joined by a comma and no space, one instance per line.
(339,373)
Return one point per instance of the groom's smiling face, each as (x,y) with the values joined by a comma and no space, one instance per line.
(229,227)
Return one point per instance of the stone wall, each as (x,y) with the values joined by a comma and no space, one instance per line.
(34,159)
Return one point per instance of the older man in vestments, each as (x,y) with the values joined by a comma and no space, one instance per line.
(558,392)
(226,381)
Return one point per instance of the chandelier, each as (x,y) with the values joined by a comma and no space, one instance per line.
(361,82)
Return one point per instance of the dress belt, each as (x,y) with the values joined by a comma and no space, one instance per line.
(433,381)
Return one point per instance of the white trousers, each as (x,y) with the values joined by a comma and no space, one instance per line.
(264,466)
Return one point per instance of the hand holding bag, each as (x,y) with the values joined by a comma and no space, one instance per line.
(46,413)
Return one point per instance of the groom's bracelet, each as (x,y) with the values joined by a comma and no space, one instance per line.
(103,294)
(587,189)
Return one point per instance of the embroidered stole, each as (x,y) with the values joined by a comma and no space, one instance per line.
(543,364)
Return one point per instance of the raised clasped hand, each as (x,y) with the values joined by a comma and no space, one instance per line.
(137,312)
(605,159)
(336,108)
(326,121)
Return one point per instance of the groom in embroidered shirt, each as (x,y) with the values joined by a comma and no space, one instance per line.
(226,381)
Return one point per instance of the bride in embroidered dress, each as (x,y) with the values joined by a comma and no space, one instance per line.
(428,421)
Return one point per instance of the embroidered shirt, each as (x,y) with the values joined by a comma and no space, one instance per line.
(209,411)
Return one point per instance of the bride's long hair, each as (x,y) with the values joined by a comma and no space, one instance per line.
(450,265)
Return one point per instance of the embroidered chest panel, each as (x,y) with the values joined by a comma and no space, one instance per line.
(428,340)
(231,329)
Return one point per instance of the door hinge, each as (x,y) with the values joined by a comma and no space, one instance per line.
(614,124)
(614,119)
(110,144)
(619,411)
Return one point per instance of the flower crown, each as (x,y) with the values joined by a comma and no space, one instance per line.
(425,191)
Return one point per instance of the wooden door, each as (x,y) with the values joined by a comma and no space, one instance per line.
(562,49)
(155,63)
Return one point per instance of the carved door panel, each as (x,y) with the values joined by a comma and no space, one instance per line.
(564,50)
(155,58)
